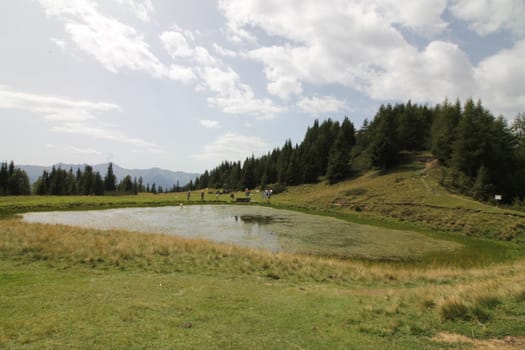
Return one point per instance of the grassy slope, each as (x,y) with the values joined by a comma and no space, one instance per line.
(412,195)
(63,287)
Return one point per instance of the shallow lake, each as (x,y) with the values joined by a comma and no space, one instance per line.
(257,227)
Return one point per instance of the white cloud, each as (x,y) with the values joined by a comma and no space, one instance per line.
(175,44)
(210,74)
(328,42)
(51,107)
(489,16)
(421,16)
(98,132)
(234,97)
(181,73)
(361,45)
(223,51)
(203,57)
(284,87)
(440,70)
(86,151)
(210,124)
(501,80)
(114,44)
(233,147)
(73,117)
(142,9)
(319,105)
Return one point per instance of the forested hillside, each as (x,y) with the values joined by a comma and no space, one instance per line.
(481,154)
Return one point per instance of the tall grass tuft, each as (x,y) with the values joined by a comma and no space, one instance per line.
(454,309)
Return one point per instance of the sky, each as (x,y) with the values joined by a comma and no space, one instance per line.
(184,85)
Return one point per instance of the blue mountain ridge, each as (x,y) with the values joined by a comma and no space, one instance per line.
(157,176)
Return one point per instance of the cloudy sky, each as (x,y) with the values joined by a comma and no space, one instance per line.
(184,85)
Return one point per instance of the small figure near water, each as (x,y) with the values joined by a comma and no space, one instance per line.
(188,195)
(268,194)
(202,195)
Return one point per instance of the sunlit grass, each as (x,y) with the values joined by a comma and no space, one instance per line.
(66,287)
(69,287)
(410,196)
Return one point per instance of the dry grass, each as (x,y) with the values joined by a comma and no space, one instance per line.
(156,251)
(411,194)
(376,301)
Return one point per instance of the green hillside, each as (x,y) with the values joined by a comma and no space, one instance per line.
(410,194)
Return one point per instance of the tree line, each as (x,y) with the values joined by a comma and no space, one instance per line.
(13,181)
(61,182)
(481,154)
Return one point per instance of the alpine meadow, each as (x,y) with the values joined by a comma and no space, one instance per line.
(262,174)
(122,289)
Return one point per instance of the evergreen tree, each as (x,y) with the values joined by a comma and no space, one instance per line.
(283,161)
(11,169)
(42,184)
(110,180)
(384,147)
(248,173)
(482,188)
(294,172)
(71,184)
(98,186)
(4,179)
(312,166)
(87,181)
(19,183)
(126,185)
(443,132)
(412,131)
(471,144)
(339,160)
(141,184)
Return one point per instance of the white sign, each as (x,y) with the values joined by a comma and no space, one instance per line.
(497,197)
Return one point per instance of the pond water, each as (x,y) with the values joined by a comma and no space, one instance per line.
(254,226)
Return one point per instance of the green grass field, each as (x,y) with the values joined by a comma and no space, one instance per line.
(65,287)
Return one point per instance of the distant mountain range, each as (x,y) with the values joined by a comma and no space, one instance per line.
(157,176)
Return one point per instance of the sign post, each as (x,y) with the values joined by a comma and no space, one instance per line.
(498,198)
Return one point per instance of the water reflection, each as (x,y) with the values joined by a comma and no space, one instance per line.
(258,227)
(261,219)
(246,226)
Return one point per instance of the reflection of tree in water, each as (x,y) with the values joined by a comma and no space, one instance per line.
(261,219)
